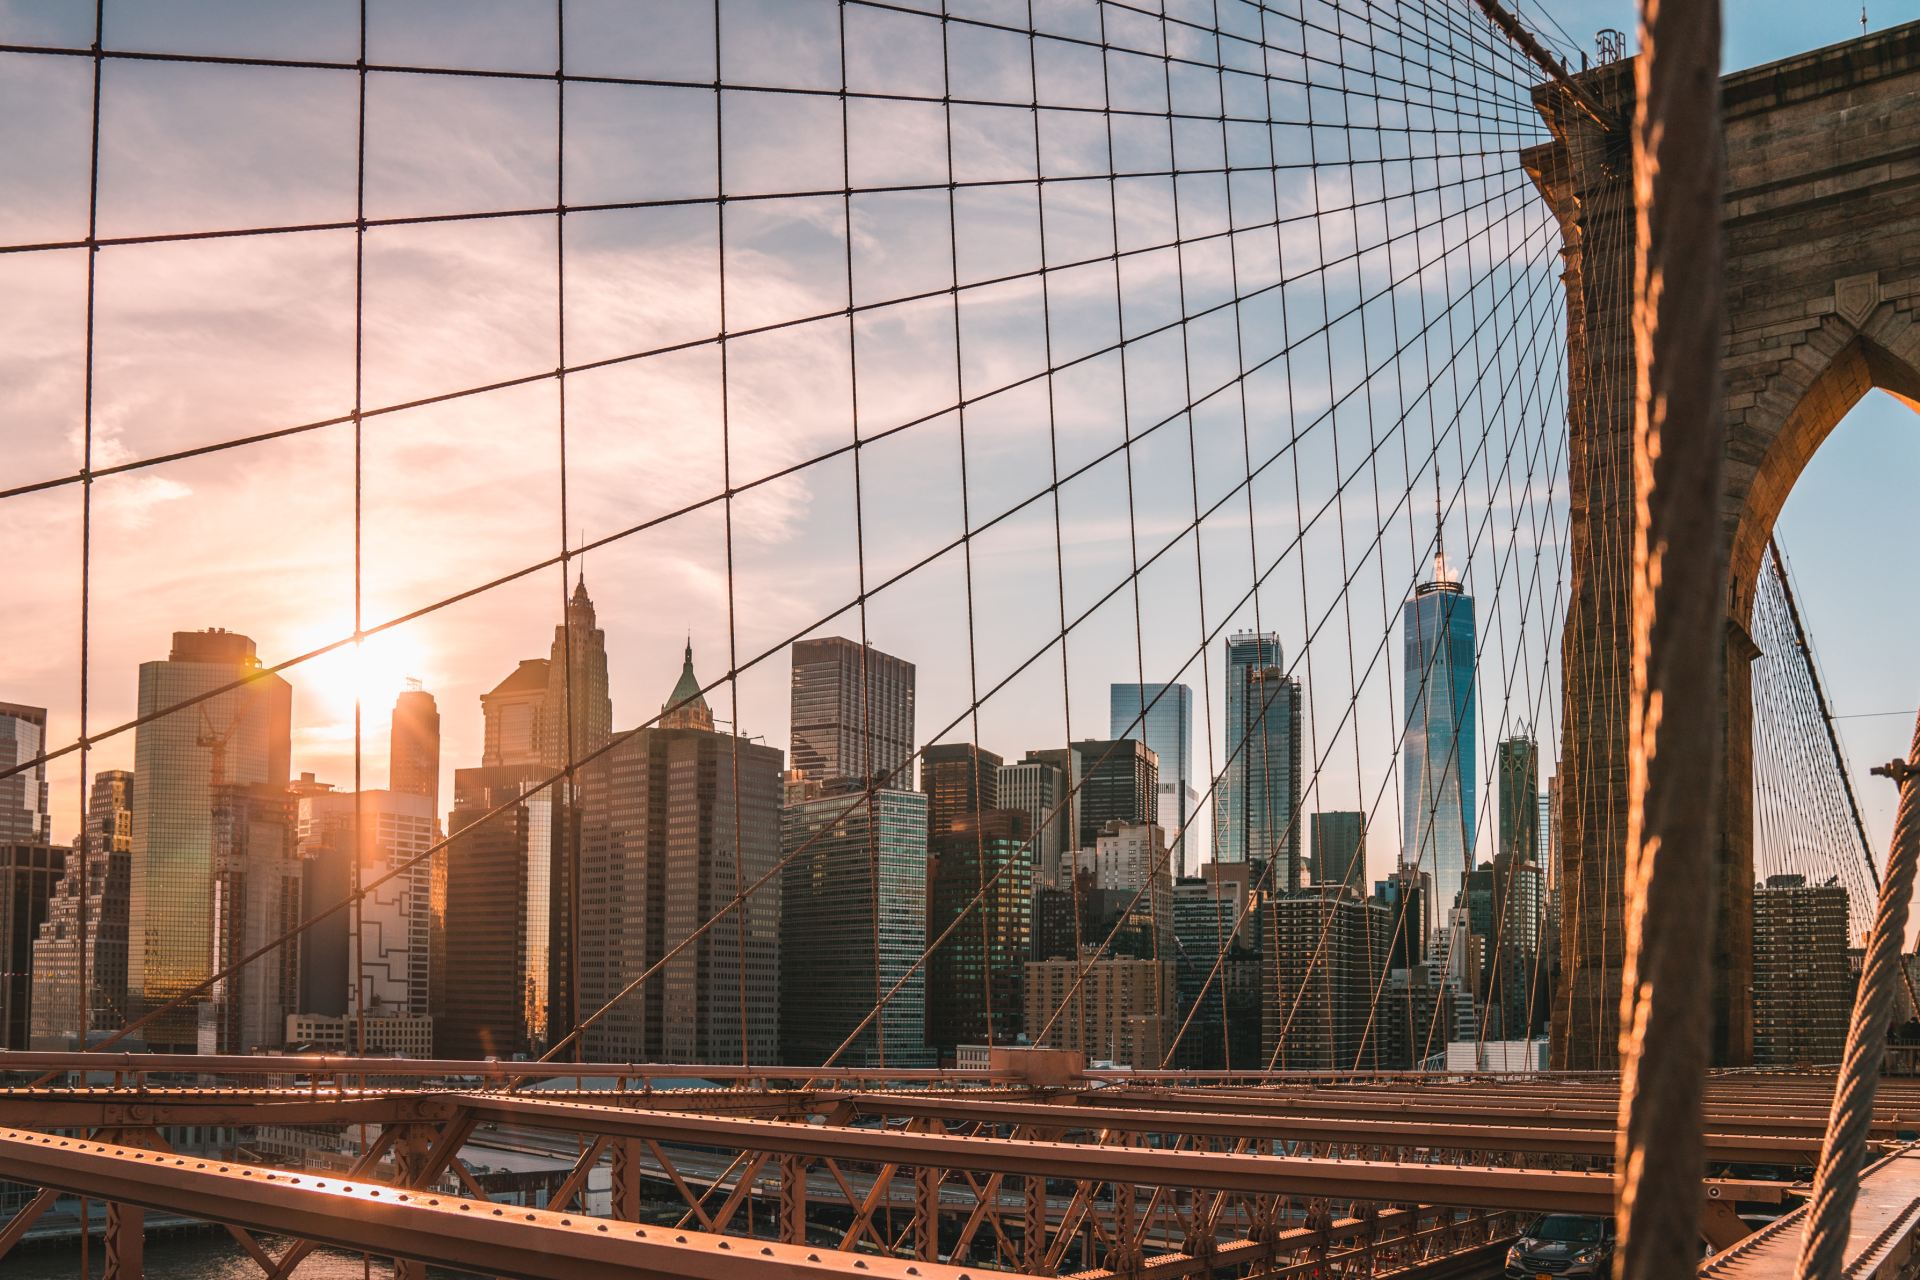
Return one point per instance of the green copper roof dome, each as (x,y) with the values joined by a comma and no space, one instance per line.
(685,707)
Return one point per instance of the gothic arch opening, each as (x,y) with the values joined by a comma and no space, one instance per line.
(1792,438)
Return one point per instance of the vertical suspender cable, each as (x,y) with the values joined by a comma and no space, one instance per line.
(1679,599)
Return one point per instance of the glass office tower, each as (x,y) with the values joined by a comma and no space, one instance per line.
(1161,715)
(1437,757)
(241,737)
(858,889)
(1258,796)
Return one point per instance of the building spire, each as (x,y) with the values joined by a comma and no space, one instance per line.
(686,707)
(580,580)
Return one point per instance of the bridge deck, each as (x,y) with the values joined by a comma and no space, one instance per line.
(1880,1245)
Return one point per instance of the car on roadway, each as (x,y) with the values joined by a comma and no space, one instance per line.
(1562,1244)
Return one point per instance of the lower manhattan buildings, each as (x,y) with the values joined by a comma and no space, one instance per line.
(28,873)
(1438,765)
(853,924)
(257,897)
(1802,991)
(499,914)
(388,940)
(1325,954)
(851,712)
(1161,715)
(676,820)
(701,904)
(239,737)
(23,796)
(87,932)
(1257,797)
(981,908)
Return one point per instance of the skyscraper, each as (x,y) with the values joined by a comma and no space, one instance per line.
(28,872)
(1504,901)
(1549,833)
(852,712)
(1119,782)
(414,757)
(677,819)
(23,796)
(961,781)
(257,895)
(1339,848)
(395,944)
(1066,819)
(1325,950)
(975,975)
(107,843)
(500,913)
(1257,800)
(1161,715)
(579,658)
(853,921)
(181,759)
(1437,755)
(1220,996)
(1039,789)
(1517,764)
(1802,992)
(514,714)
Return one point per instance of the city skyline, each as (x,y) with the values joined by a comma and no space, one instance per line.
(535,686)
(783,530)
(867,576)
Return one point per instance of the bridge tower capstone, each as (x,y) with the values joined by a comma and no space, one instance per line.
(1822,251)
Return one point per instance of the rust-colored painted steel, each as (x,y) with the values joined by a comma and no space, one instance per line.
(1759,1120)
(498,1240)
(114,1109)
(1463,1186)
(445,1068)
(1556,1140)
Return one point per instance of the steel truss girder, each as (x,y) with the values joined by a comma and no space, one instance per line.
(1460,1186)
(521,1244)
(1451,1136)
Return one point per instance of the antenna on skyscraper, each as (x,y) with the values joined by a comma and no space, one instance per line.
(1439,529)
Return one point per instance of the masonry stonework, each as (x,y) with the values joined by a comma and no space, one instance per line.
(1822,255)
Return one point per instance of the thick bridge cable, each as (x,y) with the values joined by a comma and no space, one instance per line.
(1676,747)
(1836,1182)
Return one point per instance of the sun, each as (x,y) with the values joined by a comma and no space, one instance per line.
(374,671)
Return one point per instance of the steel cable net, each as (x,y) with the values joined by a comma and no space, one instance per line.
(1805,821)
(1046,347)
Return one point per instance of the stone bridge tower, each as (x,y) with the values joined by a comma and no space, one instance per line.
(1823,282)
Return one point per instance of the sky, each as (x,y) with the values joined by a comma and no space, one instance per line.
(200,341)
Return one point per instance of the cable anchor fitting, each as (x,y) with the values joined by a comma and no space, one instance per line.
(1900,771)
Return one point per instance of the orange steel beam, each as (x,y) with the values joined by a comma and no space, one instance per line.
(470,1235)
(1760,1119)
(340,1065)
(1770,1149)
(61,1110)
(1463,1186)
